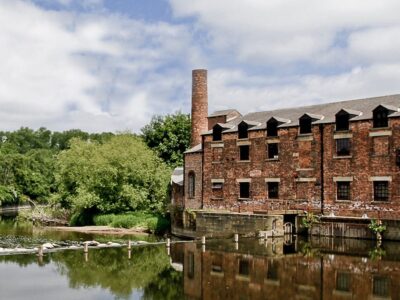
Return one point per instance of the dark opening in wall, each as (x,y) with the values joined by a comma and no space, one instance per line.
(243,130)
(305,124)
(244,267)
(244,152)
(272,128)
(217,133)
(273,190)
(343,281)
(342,121)
(244,190)
(273,150)
(380,117)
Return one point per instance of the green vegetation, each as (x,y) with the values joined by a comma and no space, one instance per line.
(84,175)
(376,226)
(153,223)
(169,136)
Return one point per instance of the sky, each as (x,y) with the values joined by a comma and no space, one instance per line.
(110,65)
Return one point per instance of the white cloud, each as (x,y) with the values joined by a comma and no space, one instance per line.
(88,70)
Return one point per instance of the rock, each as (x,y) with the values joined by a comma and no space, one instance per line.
(113,244)
(142,242)
(48,246)
(92,243)
(101,245)
(73,247)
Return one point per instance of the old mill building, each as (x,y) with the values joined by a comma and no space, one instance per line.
(266,170)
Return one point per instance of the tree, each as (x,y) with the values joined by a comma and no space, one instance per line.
(120,175)
(169,136)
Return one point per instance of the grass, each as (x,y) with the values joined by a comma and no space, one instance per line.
(139,220)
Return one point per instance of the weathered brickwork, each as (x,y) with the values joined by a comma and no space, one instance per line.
(193,165)
(199,106)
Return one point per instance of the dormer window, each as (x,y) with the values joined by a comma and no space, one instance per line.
(242,129)
(217,133)
(305,124)
(380,117)
(342,121)
(272,128)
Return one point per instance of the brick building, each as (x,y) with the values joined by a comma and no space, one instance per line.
(340,160)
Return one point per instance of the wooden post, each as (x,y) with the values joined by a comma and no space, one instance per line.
(129,245)
(203,240)
(168,244)
(236,246)
(129,254)
(86,256)
(40,251)
(236,238)
(85,247)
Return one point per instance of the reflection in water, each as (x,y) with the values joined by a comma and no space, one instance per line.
(320,269)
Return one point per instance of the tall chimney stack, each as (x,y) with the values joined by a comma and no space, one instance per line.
(199,106)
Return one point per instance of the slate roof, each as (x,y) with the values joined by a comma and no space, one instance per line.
(361,109)
(225,112)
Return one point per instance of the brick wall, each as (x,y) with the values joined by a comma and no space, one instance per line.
(199,106)
(193,164)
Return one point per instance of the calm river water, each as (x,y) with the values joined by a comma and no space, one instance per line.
(252,269)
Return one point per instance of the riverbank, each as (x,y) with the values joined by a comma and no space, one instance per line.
(100,230)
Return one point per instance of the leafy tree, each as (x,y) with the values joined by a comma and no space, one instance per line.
(121,174)
(169,136)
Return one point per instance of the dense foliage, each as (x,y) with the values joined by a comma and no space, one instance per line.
(27,161)
(119,175)
(169,136)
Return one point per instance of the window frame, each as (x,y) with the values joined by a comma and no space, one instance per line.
(191,184)
(242,185)
(339,152)
(341,192)
(342,121)
(380,117)
(271,152)
(243,131)
(272,128)
(217,133)
(305,125)
(381,189)
(242,152)
(273,186)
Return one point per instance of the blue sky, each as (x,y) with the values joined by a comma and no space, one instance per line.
(110,65)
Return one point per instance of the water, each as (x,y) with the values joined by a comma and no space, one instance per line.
(252,269)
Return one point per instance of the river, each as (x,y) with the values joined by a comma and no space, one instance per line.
(290,268)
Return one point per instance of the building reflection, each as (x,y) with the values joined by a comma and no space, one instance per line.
(320,269)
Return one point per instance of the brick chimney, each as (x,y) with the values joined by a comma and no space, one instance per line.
(199,106)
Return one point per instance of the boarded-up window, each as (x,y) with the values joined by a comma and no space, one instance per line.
(303,190)
(217,154)
(380,145)
(217,190)
(192,183)
(305,155)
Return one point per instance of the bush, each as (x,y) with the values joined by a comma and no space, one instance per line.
(141,220)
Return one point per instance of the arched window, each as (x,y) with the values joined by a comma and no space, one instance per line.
(272,128)
(217,133)
(242,128)
(342,121)
(380,117)
(192,182)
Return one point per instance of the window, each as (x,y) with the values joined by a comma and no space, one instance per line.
(380,145)
(217,185)
(305,124)
(244,267)
(343,190)
(343,147)
(273,150)
(343,282)
(272,128)
(242,128)
(191,184)
(380,117)
(244,152)
(217,190)
(273,190)
(380,286)
(342,121)
(217,133)
(381,191)
(244,188)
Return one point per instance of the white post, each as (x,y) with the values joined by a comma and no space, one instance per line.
(203,240)
(236,246)
(236,238)
(85,247)
(129,245)
(129,254)
(40,250)
(168,244)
